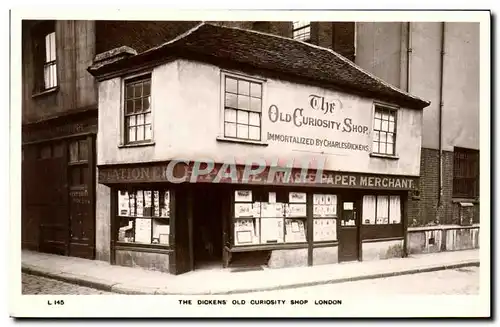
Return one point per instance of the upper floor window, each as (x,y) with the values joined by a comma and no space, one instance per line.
(138,127)
(302,30)
(384,131)
(242,108)
(465,173)
(45,58)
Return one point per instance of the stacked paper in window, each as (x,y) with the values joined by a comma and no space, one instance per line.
(156,203)
(123,203)
(165,210)
(271,227)
(244,232)
(148,203)
(132,204)
(143,230)
(325,230)
(140,203)
(295,230)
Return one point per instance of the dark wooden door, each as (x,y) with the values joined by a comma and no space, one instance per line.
(49,198)
(349,229)
(81,198)
(182,260)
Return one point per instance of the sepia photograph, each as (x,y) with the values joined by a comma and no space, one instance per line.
(251,164)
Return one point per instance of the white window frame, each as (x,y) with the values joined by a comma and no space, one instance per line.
(301,26)
(124,80)
(50,81)
(394,109)
(254,79)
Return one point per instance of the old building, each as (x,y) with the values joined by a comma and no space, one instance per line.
(225,146)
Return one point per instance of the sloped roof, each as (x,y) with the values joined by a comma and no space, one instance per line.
(268,52)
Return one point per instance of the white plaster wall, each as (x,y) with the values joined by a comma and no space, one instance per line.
(186,98)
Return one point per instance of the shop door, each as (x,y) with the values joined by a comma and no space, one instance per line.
(182,260)
(49,197)
(349,229)
(81,199)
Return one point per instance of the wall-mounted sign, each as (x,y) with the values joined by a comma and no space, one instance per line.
(182,172)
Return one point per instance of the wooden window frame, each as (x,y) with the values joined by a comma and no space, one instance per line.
(249,111)
(465,173)
(393,112)
(137,79)
(39,33)
(388,195)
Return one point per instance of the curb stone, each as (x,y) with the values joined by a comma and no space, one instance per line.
(87,281)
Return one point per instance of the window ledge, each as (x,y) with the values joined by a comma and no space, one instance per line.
(135,145)
(45,92)
(458,200)
(234,140)
(384,156)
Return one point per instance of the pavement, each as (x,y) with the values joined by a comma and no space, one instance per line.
(103,276)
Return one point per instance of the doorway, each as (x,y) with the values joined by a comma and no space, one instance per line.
(207,226)
(349,228)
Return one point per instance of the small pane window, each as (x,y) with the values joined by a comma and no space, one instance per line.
(302,30)
(242,108)
(384,131)
(138,125)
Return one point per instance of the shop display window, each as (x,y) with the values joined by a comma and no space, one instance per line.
(381,209)
(270,220)
(325,217)
(144,216)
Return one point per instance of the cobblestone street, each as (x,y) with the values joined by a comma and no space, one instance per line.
(40,285)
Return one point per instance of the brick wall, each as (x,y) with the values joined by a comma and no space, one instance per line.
(428,209)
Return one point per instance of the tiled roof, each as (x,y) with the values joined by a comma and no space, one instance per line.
(272,53)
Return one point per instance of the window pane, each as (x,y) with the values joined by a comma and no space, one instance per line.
(376,136)
(254,133)
(382,148)
(140,133)
(390,138)
(242,131)
(243,87)
(146,88)
(230,130)
(129,92)
(369,209)
(391,127)
(383,137)
(243,117)
(254,119)
(385,115)
(382,209)
(231,100)
(148,130)
(137,90)
(230,115)
(377,124)
(378,114)
(84,173)
(243,102)
(392,116)
(256,90)
(140,119)
(145,103)
(83,150)
(138,105)
(131,121)
(147,118)
(73,151)
(375,148)
(395,209)
(129,107)
(390,148)
(255,104)
(131,134)
(231,85)
(54,75)
(385,125)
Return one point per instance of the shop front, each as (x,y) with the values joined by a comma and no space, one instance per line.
(163,221)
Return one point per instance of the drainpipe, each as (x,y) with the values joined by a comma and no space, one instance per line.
(408,59)
(441,104)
